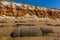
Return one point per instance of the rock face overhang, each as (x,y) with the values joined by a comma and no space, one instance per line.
(19,10)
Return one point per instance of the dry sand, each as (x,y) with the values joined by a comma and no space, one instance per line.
(6,31)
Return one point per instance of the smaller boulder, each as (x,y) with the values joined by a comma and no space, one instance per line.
(46,30)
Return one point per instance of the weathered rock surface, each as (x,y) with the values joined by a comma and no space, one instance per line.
(30,31)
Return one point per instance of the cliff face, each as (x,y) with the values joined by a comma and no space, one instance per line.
(19,10)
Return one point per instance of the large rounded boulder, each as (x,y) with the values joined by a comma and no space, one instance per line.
(30,31)
(26,32)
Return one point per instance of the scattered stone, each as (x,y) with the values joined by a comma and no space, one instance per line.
(50,24)
(2,21)
(57,25)
(18,25)
(2,25)
(53,24)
